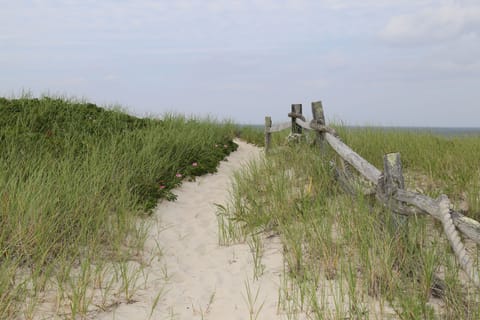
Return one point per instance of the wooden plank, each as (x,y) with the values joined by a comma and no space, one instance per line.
(362,165)
(303,124)
(422,202)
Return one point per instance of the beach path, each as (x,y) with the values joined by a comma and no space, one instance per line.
(195,277)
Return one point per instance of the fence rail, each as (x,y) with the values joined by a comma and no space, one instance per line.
(388,184)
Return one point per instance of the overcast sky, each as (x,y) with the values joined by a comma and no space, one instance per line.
(377,62)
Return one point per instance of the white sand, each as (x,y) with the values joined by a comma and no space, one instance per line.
(200,279)
(194,277)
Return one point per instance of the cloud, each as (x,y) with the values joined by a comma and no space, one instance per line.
(242,52)
(433,25)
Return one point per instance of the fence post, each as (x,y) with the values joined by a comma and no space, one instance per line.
(268,134)
(296,108)
(318,117)
(393,179)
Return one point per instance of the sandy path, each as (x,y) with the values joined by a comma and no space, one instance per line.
(200,279)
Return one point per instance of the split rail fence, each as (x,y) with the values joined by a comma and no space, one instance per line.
(389,185)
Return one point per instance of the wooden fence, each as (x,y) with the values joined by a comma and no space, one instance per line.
(389,185)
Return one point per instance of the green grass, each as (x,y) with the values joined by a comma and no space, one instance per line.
(74,180)
(343,256)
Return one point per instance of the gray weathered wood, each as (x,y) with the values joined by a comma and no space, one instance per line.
(467,226)
(392,181)
(424,203)
(390,191)
(393,174)
(303,124)
(322,129)
(362,165)
(317,112)
(268,134)
(401,201)
(318,118)
(390,186)
(297,109)
(408,203)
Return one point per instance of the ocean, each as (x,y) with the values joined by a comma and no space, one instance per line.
(443,131)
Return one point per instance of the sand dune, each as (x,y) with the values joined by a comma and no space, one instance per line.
(197,278)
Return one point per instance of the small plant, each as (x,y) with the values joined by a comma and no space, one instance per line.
(155,301)
(228,230)
(256,248)
(251,299)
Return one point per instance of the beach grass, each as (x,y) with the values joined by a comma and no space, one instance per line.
(344,256)
(75,180)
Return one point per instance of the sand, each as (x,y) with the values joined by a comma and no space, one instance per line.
(196,278)
(186,274)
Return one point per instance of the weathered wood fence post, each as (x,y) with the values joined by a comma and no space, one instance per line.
(268,134)
(296,110)
(318,118)
(393,180)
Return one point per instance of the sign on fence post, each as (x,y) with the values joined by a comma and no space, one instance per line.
(268,134)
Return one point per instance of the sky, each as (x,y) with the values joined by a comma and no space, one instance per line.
(371,62)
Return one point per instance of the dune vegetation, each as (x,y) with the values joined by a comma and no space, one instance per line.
(76,179)
(79,181)
(345,256)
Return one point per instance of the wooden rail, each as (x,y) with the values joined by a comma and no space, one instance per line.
(389,186)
